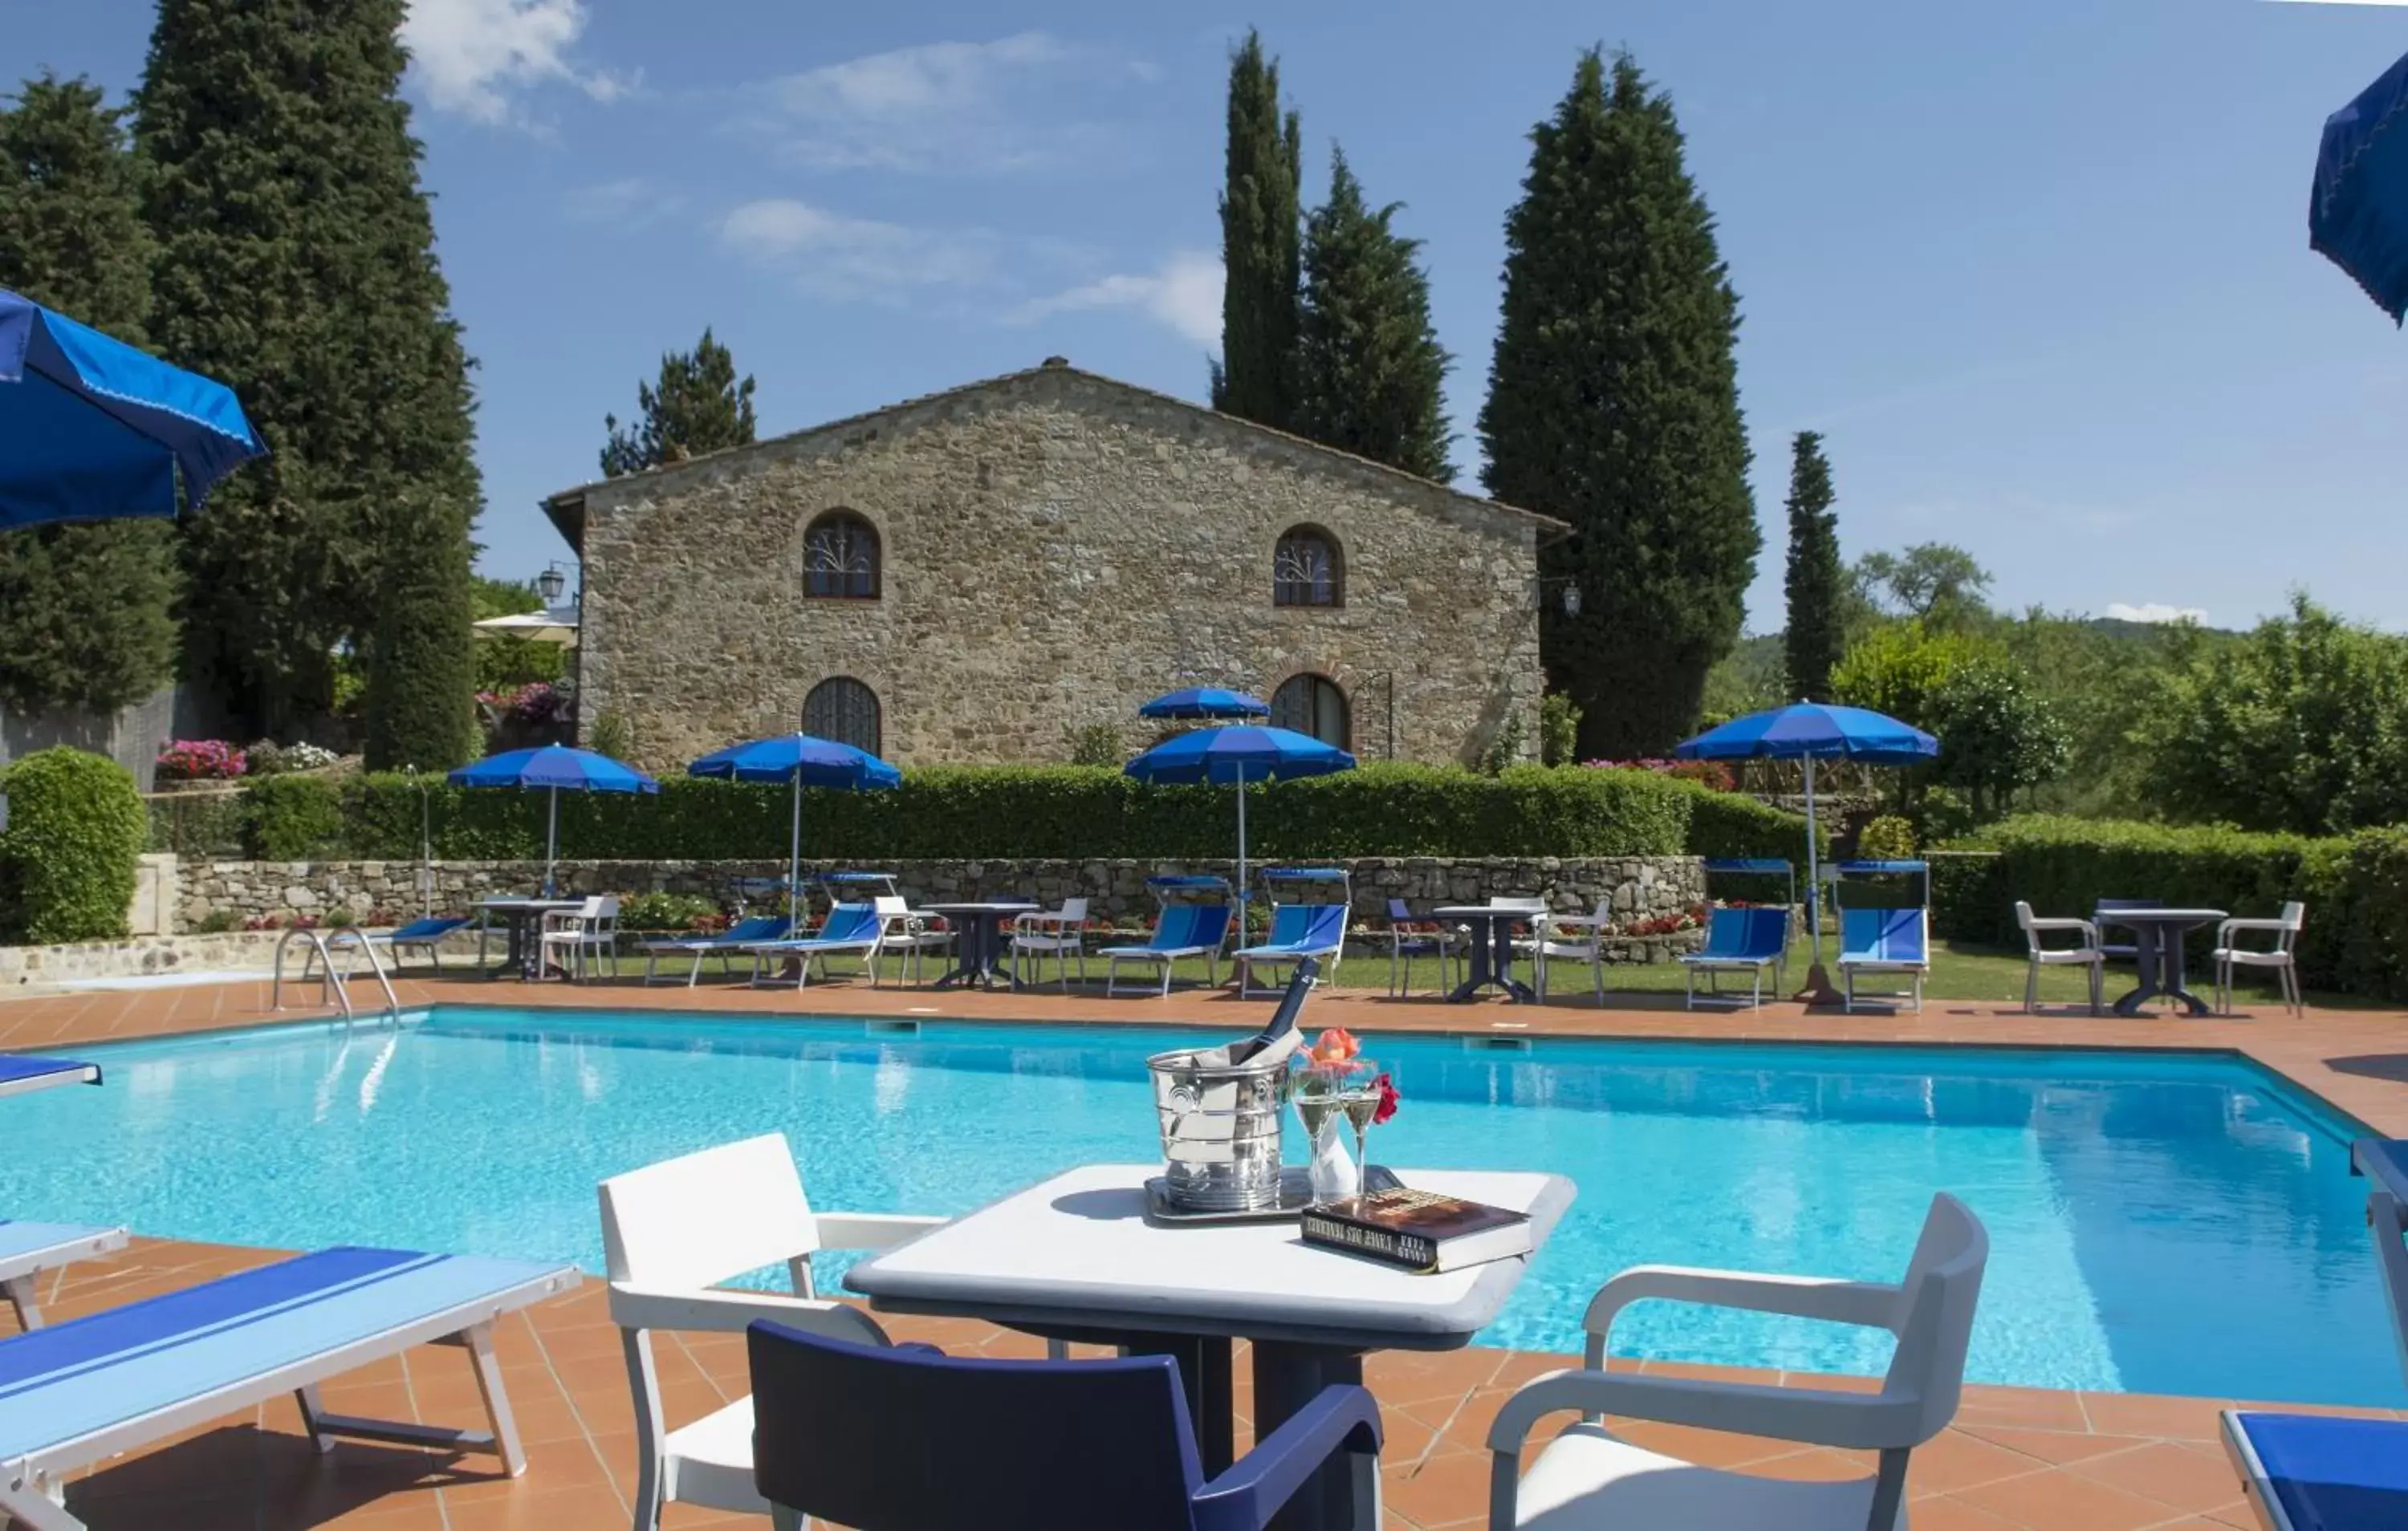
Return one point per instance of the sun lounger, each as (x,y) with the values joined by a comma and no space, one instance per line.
(1884,942)
(82,1391)
(1298,931)
(29,1249)
(22,1074)
(735,937)
(1183,930)
(1739,940)
(2311,1472)
(850,928)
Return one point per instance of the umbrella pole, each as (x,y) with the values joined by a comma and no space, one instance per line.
(1818,990)
(551,844)
(795,859)
(1241,855)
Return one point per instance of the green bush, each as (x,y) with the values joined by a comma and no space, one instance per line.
(664,911)
(75,832)
(1889,838)
(207,825)
(1734,826)
(291,818)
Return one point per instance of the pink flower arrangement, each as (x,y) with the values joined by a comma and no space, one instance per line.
(201,760)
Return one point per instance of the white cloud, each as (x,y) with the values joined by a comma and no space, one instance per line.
(835,255)
(1184,294)
(957,107)
(468,55)
(2154,611)
(630,202)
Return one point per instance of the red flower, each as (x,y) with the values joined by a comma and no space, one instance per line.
(1388,1098)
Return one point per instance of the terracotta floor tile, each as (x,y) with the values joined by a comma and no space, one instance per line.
(2181,1480)
(2172,1419)
(2059,1501)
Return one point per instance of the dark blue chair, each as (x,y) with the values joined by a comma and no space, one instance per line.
(914,1439)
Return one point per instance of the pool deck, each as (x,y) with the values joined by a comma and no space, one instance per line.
(2015,1457)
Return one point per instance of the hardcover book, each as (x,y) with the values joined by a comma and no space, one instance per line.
(1419,1230)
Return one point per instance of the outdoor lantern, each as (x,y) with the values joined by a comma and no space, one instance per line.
(1571,598)
(550,583)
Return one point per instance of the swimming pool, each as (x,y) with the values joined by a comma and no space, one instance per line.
(2160,1224)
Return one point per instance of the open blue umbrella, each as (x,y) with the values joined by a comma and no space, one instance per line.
(1813,730)
(806,760)
(555,768)
(2358,214)
(1237,754)
(1205,702)
(91,429)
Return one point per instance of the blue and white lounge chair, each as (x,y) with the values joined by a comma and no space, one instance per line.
(735,937)
(425,936)
(1885,941)
(23,1073)
(1298,931)
(29,1249)
(1181,930)
(82,1391)
(849,929)
(867,1434)
(1739,940)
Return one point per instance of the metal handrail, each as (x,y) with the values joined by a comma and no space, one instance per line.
(327,976)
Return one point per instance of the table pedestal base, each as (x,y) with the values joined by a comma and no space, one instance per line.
(2158,954)
(1492,966)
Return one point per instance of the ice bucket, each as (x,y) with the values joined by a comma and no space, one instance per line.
(1220,1124)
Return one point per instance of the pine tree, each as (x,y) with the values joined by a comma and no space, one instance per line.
(422,680)
(1815,634)
(1614,404)
(699,406)
(297,264)
(1369,366)
(86,610)
(1260,255)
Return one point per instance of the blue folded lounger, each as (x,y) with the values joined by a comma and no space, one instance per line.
(79,1392)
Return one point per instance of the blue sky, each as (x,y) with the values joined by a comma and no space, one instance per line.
(2039,271)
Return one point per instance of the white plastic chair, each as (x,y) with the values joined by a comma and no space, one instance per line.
(902,931)
(1559,937)
(670,1232)
(1587,1477)
(592,926)
(1060,933)
(2088,954)
(2229,954)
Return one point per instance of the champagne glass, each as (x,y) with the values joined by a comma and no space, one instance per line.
(1361,1102)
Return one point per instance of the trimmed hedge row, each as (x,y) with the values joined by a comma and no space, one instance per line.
(68,857)
(1016,812)
(2356,886)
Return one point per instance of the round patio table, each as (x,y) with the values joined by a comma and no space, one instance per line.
(521,915)
(978,941)
(2157,942)
(1492,951)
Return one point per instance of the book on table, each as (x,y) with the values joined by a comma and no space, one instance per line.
(1422,1231)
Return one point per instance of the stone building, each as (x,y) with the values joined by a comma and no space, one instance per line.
(973,576)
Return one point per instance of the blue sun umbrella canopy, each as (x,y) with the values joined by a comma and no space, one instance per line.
(803,760)
(552,769)
(1235,755)
(91,429)
(1205,702)
(1813,730)
(2357,213)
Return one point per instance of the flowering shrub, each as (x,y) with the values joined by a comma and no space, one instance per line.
(270,758)
(1705,773)
(201,760)
(537,702)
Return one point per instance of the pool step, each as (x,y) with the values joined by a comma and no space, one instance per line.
(888,1027)
(1496,1044)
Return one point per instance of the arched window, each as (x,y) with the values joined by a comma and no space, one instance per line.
(1306,569)
(840,558)
(843,709)
(1310,703)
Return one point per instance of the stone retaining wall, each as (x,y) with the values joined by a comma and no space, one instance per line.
(240,950)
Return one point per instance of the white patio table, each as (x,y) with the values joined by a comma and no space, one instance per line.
(1076,1259)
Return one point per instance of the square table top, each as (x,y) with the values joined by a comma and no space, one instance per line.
(1078,1252)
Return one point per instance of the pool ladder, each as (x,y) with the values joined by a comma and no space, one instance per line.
(322,956)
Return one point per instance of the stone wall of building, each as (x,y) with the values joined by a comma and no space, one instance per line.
(1056,547)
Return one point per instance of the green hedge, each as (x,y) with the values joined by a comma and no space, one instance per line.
(291,818)
(68,856)
(2356,886)
(1065,811)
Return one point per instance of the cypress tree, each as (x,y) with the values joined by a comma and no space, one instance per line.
(698,407)
(422,677)
(1369,364)
(1259,252)
(1614,404)
(1815,632)
(296,262)
(85,611)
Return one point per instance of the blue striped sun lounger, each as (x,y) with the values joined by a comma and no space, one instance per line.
(1885,941)
(21,1073)
(849,929)
(29,1249)
(727,943)
(82,1392)
(1185,930)
(1298,931)
(1740,939)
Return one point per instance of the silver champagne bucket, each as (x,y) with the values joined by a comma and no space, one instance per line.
(1221,1125)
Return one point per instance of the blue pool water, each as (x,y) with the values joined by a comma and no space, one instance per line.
(2159,1223)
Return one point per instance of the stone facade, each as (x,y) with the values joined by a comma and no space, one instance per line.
(1054,548)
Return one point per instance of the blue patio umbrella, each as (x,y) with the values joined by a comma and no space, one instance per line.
(2357,213)
(806,760)
(1809,732)
(1205,702)
(552,768)
(1237,754)
(93,429)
